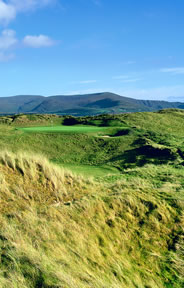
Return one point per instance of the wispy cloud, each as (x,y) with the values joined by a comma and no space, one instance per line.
(23,5)
(120,77)
(5,57)
(8,41)
(86,91)
(157,93)
(131,80)
(10,8)
(87,81)
(38,41)
(174,70)
(130,62)
(127,78)
(7,12)
(84,82)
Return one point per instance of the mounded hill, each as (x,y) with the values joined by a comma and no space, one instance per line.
(59,230)
(88,104)
(124,228)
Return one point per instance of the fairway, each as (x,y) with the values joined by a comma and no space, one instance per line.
(64,129)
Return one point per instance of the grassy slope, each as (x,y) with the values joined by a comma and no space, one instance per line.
(142,138)
(58,230)
(64,148)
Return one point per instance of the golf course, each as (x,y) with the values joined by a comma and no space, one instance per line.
(91,144)
(92,201)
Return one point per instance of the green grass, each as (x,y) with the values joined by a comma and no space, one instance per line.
(67,148)
(91,171)
(142,138)
(64,129)
(123,229)
(86,170)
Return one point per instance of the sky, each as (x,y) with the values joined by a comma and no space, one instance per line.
(60,47)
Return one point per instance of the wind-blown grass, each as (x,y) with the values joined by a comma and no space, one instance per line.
(60,230)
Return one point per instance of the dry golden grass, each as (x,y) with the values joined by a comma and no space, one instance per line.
(60,230)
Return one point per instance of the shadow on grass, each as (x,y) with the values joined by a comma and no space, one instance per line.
(145,154)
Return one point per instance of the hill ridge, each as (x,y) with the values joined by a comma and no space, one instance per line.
(81,104)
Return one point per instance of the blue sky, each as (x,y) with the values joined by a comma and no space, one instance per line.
(130,47)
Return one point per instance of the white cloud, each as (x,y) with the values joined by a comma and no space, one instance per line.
(174,70)
(8,39)
(10,8)
(23,5)
(7,12)
(38,41)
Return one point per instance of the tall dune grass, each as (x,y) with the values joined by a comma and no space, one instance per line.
(60,230)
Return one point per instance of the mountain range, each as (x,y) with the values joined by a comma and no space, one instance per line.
(79,105)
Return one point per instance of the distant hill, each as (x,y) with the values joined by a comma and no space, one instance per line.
(17,104)
(79,105)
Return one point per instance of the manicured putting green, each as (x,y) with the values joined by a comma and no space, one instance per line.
(90,170)
(61,129)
